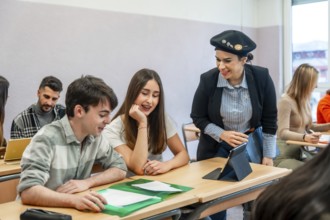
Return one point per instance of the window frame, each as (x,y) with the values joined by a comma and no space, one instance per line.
(287,42)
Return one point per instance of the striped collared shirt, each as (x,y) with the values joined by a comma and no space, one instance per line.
(236,113)
(235,109)
(55,156)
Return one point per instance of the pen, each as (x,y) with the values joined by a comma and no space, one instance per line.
(310,131)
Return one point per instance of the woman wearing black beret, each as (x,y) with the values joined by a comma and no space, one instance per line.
(233,98)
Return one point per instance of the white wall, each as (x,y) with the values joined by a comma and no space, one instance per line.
(232,12)
(113,39)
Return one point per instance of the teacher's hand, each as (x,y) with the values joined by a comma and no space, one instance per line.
(234,138)
(267,161)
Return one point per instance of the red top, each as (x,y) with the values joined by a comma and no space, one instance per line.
(323,110)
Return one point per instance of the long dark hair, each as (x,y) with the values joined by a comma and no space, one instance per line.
(4,85)
(304,194)
(156,119)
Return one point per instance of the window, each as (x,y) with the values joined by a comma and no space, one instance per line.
(310,42)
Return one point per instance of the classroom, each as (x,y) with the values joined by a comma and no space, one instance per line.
(112,40)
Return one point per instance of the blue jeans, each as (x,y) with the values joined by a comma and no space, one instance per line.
(219,216)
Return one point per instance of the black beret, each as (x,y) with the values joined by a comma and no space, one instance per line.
(234,42)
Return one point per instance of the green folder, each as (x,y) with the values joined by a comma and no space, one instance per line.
(158,196)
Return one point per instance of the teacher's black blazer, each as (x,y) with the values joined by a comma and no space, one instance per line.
(207,101)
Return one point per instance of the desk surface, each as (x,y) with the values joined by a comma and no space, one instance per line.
(189,175)
(206,190)
(324,141)
(303,143)
(12,210)
(192,128)
(7,169)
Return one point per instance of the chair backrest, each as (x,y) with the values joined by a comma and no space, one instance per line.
(8,185)
(2,152)
(190,133)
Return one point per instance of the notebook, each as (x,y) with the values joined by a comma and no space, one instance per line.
(236,168)
(15,149)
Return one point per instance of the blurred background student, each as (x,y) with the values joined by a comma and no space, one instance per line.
(323,109)
(141,130)
(27,123)
(295,118)
(4,85)
(302,195)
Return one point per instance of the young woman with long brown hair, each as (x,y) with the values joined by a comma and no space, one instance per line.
(141,130)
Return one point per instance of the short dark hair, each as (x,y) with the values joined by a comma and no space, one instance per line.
(88,91)
(52,82)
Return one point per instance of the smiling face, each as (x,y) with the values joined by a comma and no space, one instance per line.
(148,97)
(47,98)
(95,119)
(230,66)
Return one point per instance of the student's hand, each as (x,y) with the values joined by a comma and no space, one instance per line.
(267,161)
(89,201)
(155,167)
(73,186)
(137,114)
(234,138)
(313,137)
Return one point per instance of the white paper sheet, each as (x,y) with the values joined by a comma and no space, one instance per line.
(324,139)
(120,198)
(157,186)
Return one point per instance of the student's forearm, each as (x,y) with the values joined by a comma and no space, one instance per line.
(179,160)
(42,196)
(140,153)
(108,176)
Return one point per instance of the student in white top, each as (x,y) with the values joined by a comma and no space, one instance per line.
(141,131)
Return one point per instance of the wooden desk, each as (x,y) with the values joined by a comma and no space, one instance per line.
(214,195)
(12,210)
(324,141)
(303,143)
(14,168)
(9,178)
(192,128)
(7,169)
(210,196)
